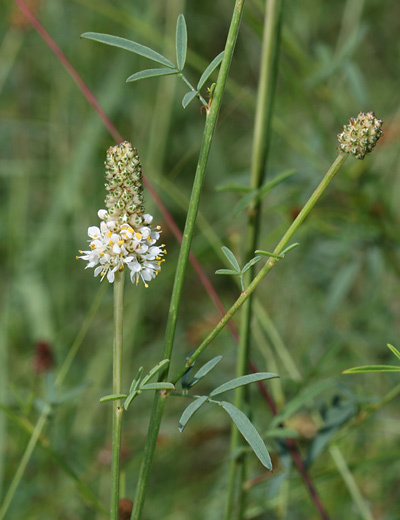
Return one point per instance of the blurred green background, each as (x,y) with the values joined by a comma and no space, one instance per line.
(332,304)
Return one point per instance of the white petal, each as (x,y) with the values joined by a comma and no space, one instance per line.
(94,232)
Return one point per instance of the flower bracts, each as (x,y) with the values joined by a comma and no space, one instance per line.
(361,135)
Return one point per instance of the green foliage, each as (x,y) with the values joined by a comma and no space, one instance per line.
(242,422)
(181,42)
(332,64)
(202,372)
(236,271)
(140,385)
(376,368)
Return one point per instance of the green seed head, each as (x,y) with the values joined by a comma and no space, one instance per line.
(124,200)
(361,134)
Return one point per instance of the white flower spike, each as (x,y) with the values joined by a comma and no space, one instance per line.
(125,236)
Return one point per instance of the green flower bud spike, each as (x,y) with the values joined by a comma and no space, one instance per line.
(126,236)
(361,135)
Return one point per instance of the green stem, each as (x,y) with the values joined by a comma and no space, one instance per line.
(117,409)
(24,461)
(41,422)
(261,143)
(211,121)
(269,265)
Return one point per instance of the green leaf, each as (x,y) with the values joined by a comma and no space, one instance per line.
(112,397)
(299,401)
(131,397)
(266,253)
(185,381)
(210,69)
(151,73)
(259,194)
(245,202)
(394,350)
(71,394)
(233,187)
(204,370)
(231,257)
(268,186)
(289,248)
(372,368)
(241,381)
(282,255)
(190,410)
(181,42)
(160,366)
(226,271)
(188,98)
(281,433)
(130,46)
(136,380)
(251,263)
(158,386)
(250,434)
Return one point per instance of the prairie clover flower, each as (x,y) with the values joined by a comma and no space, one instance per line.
(125,236)
(360,136)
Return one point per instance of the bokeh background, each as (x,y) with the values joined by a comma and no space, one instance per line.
(333,303)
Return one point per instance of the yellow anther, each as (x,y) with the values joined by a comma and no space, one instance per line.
(80,251)
(121,242)
(101,254)
(109,233)
(131,230)
(149,239)
(138,236)
(77,257)
(146,285)
(158,228)
(92,246)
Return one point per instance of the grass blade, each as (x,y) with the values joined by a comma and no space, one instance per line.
(372,368)
(394,350)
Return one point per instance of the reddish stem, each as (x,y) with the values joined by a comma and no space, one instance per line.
(291,445)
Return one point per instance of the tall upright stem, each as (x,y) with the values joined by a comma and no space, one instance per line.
(212,117)
(268,265)
(261,144)
(117,409)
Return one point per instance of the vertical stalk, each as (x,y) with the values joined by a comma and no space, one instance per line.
(212,117)
(283,243)
(261,144)
(117,410)
(24,461)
